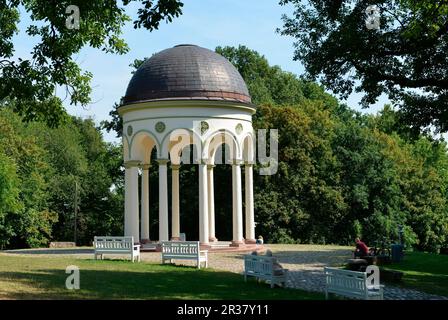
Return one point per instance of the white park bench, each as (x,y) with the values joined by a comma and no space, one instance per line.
(262,268)
(184,250)
(352,284)
(116,245)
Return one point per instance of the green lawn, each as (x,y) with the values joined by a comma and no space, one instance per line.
(32,277)
(424,271)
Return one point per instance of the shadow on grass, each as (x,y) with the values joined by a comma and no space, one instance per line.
(144,282)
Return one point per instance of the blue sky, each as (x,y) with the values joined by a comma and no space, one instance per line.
(207,23)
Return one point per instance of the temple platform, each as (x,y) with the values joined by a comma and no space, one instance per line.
(214,247)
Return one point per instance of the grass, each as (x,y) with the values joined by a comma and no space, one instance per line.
(24,277)
(425,272)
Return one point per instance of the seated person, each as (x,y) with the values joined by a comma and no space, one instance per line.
(259,240)
(278,269)
(361,249)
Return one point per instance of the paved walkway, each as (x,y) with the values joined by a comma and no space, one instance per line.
(305,264)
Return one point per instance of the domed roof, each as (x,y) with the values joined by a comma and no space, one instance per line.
(186,72)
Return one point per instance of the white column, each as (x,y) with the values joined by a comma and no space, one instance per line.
(211,204)
(144,223)
(131,225)
(237,205)
(203,204)
(175,217)
(163,200)
(249,188)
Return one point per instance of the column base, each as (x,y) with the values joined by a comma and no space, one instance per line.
(213,239)
(143,241)
(205,246)
(237,244)
(250,241)
(175,238)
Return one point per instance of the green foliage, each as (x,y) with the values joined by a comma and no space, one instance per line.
(342,174)
(28,85)
(405,59)
(286,202)
(9,193)
(46,163)
(270,84)
(29,220)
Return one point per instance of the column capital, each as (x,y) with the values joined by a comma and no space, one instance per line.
(162,162)
(248,164)
(131,164)
(145,166)
(210,166)
(175,167)
(202,161)
(236,162)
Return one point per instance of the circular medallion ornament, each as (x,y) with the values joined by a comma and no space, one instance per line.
(204,127)
(239,128)
(160,127)
(130,130)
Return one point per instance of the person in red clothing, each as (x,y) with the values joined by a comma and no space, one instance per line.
(361,249)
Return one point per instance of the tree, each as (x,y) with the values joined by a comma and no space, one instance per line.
(28,85)
(28,221)
(39,167)
(303,201)
(405,58)
(9,193)
(270,84)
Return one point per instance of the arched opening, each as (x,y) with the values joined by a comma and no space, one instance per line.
(222,149)
(184,148)
(189,193)
(139,216)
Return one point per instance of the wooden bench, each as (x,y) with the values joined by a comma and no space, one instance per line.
(62,245)
(184,250)
(116,245)
(351,284)
(262,268)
